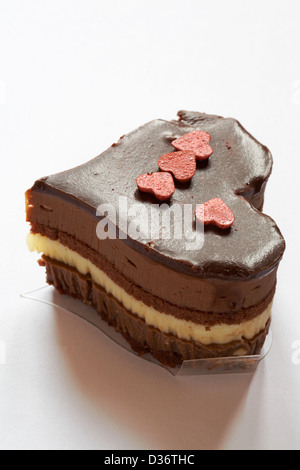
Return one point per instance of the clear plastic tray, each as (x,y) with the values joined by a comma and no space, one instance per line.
(222,365)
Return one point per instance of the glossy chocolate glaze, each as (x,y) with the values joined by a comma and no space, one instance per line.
(237,172)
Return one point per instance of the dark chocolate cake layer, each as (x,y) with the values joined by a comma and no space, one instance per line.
(168,349)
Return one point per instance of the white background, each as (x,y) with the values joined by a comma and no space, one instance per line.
(75,76)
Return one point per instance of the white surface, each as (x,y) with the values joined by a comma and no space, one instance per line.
(74,76)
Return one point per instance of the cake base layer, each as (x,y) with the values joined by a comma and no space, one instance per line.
(168,349)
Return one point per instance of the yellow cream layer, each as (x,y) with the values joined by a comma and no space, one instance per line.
(220,334)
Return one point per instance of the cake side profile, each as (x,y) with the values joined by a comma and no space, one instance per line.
(175,302)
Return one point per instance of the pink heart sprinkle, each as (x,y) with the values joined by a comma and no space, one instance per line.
(197,141)
(215,211)
(181,164)
(161,184)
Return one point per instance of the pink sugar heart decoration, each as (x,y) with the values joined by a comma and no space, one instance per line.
(181,164)
(197,141)
(160,184)
(216,212)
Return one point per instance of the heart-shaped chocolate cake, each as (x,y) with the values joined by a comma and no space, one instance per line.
(122,240)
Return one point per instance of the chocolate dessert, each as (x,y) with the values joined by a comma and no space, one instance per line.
(164,297)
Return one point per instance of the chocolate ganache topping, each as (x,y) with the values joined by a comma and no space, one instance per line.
(237,172)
